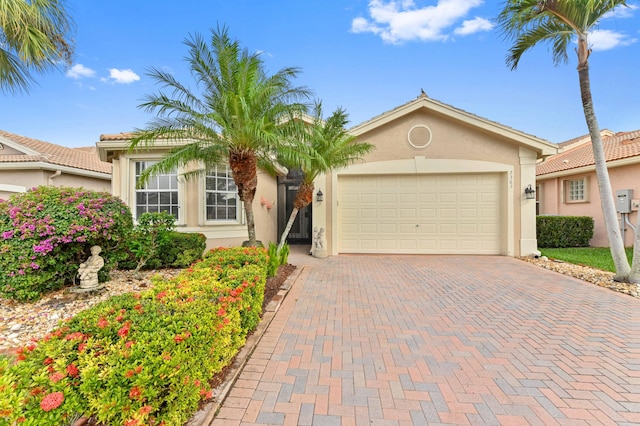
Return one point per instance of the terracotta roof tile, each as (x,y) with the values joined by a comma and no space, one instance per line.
(123,136)
(54,154)
(616,147)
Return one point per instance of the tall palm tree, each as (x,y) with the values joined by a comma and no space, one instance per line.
(34,36)
(558,23)
(237,117)
(326,145)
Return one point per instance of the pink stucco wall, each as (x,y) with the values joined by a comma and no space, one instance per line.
(551,199)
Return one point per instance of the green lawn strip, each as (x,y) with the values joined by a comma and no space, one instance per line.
(595,257)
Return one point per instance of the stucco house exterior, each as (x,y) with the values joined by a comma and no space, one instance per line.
(439,181)
(207,204)
(567,183)
(26,163)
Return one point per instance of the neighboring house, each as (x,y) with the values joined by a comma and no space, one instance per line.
(567,183)
(439,181)
(27,163)
(206,204)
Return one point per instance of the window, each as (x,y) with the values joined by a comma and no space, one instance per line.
(159,194)
(575,190)
(221,195)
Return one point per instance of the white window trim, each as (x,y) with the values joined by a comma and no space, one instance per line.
(202,208)
(133,159)
(566,184)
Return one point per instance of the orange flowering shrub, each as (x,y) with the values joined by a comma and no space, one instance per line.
(139,359)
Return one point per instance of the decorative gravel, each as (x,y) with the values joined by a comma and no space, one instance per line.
(585,273)
(21,323)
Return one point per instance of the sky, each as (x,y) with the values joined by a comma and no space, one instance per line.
(367,57)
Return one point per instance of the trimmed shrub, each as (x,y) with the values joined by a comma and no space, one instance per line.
(178,250)
(564,231)
(46,233)
(149,235)
(143,358)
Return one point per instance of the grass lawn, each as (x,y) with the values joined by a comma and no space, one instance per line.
(596,257)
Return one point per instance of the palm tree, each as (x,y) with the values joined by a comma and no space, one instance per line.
(326,146)
(238,118)
(34,36)
(558,22)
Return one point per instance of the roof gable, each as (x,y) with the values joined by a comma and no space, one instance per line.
(617,146)
(542,147)
(27,151)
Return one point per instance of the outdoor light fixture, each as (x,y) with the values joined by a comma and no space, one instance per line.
(529,193)
(319,196)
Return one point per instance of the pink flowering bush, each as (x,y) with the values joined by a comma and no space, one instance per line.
(145,358)
(46,232)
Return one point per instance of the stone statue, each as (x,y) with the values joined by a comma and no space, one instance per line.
(320,245)
(314,240)
(320,241)
(88,270)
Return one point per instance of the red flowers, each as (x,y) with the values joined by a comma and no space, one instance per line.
(52,401)
(135,392)
(72,370)
(102,322)
(56,377)
(48,361)
(124,331)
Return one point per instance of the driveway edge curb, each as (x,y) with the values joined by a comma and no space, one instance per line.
(205,415)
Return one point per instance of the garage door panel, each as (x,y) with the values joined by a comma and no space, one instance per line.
(408,213)
(448,213)
(388,199)
(387,214)
(367,198)
(445,214)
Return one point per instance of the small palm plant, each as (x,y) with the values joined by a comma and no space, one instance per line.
(326,145)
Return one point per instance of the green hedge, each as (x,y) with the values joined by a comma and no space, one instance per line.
(564,231)
(179,251)
(139,359)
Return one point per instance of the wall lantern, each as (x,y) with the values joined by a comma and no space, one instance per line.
(529,193)
(319,196)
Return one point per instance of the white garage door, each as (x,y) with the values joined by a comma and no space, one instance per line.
(430,214)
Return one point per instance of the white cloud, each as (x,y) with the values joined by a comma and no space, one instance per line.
(400,21)
(473,26)
(80,71)
(621,12)
(121,76)
(607,39)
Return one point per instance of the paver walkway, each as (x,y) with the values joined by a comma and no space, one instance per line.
(442,340)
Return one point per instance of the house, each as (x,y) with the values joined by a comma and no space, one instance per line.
(207,204)
(439,181)
(26,163)
(567,184)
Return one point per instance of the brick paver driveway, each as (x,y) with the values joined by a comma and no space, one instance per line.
(428,340)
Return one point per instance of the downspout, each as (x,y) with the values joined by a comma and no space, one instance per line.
(53,176)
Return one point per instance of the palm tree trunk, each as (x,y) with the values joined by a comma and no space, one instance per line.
(287,229)
(616,245)
(243,165)
(304,197)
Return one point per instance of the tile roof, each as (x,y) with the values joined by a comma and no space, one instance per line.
(617,146)
(45,152)
(122,136)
